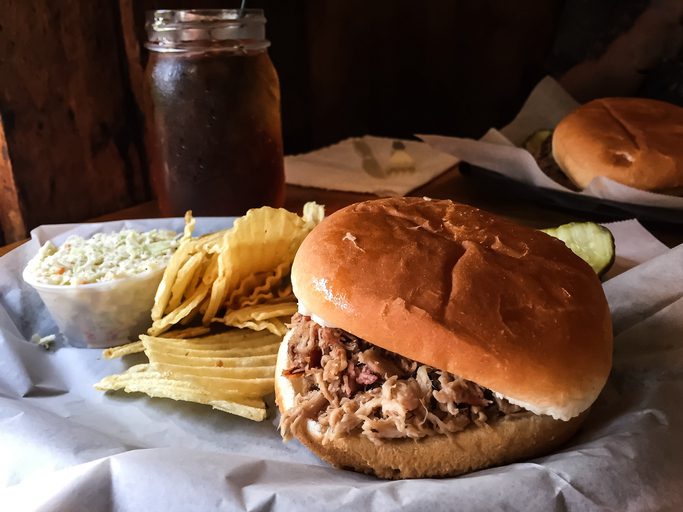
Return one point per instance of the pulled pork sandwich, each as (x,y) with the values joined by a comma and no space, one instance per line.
(434,339)
(633,141)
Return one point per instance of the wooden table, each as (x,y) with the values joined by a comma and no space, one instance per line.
(453,184)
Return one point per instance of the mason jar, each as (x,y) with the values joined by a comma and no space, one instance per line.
(213,129)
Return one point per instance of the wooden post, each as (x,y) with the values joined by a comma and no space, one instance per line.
(11,215)
(71,147)
(132,46)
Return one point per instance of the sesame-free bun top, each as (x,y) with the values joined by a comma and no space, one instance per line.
(505,306)
(634,141)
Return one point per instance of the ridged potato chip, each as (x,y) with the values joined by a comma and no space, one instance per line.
(261,312)
(157,353)
(249,388)
(159,326)
(187,333)
(163,293)
(231,371)
(260,358)
(209,358)
(183,278)
(123,350)
(189,225)
(256,381)
(275,325)
(136,347)
(231,339)
(248,264)
(219,288)
(258,284)
(145,379)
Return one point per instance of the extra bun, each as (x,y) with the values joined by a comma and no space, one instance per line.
(505,306)
(503,441)
(633,141)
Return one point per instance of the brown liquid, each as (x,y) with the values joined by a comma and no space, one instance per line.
(214,132)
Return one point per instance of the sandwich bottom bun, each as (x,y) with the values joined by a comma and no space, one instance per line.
(515,437)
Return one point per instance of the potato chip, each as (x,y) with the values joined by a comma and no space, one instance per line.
(260,287)
(240,351)
(147,380)
(248,264)
(261,312)
(233,338)
(123,350)
(286,292)
(163,293)
(219,289)
(190,318)
(211,272)
(189,332)
(138,346)
(183,278)
(274,325)
(197,278)
(220,370)
(159,326)
(246,352)
(249,412)
(189,226)
(251,362)
(211,358)
(216,378)
(269,316)
(211,366)
(260,241)
(257,299)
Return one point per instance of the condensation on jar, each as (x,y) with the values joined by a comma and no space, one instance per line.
(214,136)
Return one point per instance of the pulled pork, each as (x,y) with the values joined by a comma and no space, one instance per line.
(351,386)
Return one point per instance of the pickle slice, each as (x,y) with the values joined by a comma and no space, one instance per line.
(534,144)
(591,242)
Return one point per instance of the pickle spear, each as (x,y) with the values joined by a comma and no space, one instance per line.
(591,242)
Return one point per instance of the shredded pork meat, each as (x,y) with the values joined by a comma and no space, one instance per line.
(351,386)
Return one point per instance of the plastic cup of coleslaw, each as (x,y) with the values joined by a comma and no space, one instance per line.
(99,314)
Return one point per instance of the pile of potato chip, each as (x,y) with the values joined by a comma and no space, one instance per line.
(238,277)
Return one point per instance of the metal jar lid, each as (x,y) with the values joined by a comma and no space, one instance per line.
(192,29)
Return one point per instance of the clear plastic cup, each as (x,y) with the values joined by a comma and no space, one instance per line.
(100,315)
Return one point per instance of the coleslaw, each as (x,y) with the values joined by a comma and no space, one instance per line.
(103,257)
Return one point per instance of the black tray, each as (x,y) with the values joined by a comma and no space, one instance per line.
(603,208)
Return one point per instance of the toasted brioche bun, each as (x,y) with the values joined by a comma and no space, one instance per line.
(505,306)
(634,141)
(518,437)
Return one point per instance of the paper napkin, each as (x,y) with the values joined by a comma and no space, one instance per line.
(365,164)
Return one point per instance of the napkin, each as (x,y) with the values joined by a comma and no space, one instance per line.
(364,164)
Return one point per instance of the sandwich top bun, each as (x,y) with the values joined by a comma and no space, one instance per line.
(505,306)
(634,141)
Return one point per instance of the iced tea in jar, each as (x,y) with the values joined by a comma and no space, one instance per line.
(212,112)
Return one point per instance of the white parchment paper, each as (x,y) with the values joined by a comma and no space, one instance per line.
(499,151)
(65,446)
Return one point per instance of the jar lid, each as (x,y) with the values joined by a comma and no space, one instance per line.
(188,29)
